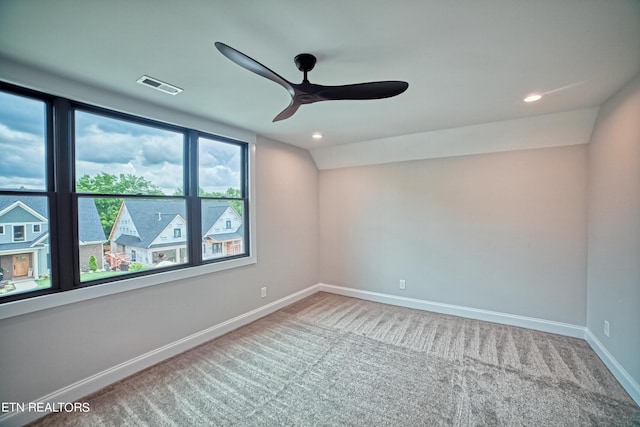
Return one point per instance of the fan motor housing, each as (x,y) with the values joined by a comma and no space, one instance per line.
(305,62)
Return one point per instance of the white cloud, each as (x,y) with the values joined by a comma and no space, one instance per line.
(105,147)
(22,159)
(9,135)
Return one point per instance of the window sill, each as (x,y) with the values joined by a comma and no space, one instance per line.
(30,305)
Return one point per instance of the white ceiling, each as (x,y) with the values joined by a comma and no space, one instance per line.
(467,61)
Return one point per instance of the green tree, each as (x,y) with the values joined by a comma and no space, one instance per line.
(105,184)
(137,266)
(93,263)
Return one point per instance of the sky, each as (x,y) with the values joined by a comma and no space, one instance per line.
(104,144)
(22,148)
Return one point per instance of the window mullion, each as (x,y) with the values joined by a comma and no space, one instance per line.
(193,201)
(245,196)
(64,234)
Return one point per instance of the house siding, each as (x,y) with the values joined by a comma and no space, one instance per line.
(221,225)
(124,225)
(86,250)
(167,235)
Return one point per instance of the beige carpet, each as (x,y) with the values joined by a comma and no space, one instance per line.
(330,360)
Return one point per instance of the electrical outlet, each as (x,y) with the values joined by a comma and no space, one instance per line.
(606,328)
(263,292)
(403,284)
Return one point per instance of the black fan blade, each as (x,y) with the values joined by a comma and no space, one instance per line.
(252,65)
(372,90)
(287,112)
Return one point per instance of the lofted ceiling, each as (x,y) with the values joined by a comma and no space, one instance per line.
(467,61)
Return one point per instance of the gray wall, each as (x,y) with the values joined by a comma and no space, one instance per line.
(47,350)
(614,227)
(503,232)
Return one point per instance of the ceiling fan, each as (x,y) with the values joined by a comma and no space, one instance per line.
(307,92)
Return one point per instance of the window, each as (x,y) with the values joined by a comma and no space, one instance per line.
(25,185)
(223,195)
(143,192)
(23,145)
(18,233)
(124,161)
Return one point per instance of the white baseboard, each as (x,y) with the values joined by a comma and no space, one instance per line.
(559,328)
(109,376)
(457,310)
(629,384)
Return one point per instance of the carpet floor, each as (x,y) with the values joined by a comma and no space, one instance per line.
(330,360)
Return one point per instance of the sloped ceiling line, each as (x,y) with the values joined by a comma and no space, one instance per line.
(549,130)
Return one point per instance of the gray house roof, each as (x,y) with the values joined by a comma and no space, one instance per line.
(128,240)
(238,234)
(89,225)
(151,217)
(21,245)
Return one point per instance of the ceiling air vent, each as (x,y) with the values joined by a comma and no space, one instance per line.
(159,85)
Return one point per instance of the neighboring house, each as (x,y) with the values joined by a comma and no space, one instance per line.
(24,235)
(154,231)
(222,230)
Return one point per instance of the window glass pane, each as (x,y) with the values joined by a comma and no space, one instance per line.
(18,233)
(222,229)
(220,171)
(115,156)
(142,234)
(24,249)
(22,143)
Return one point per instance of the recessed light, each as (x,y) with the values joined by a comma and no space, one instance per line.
(533,97)
(316,135)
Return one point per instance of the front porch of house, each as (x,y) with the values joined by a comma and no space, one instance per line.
(22,265)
